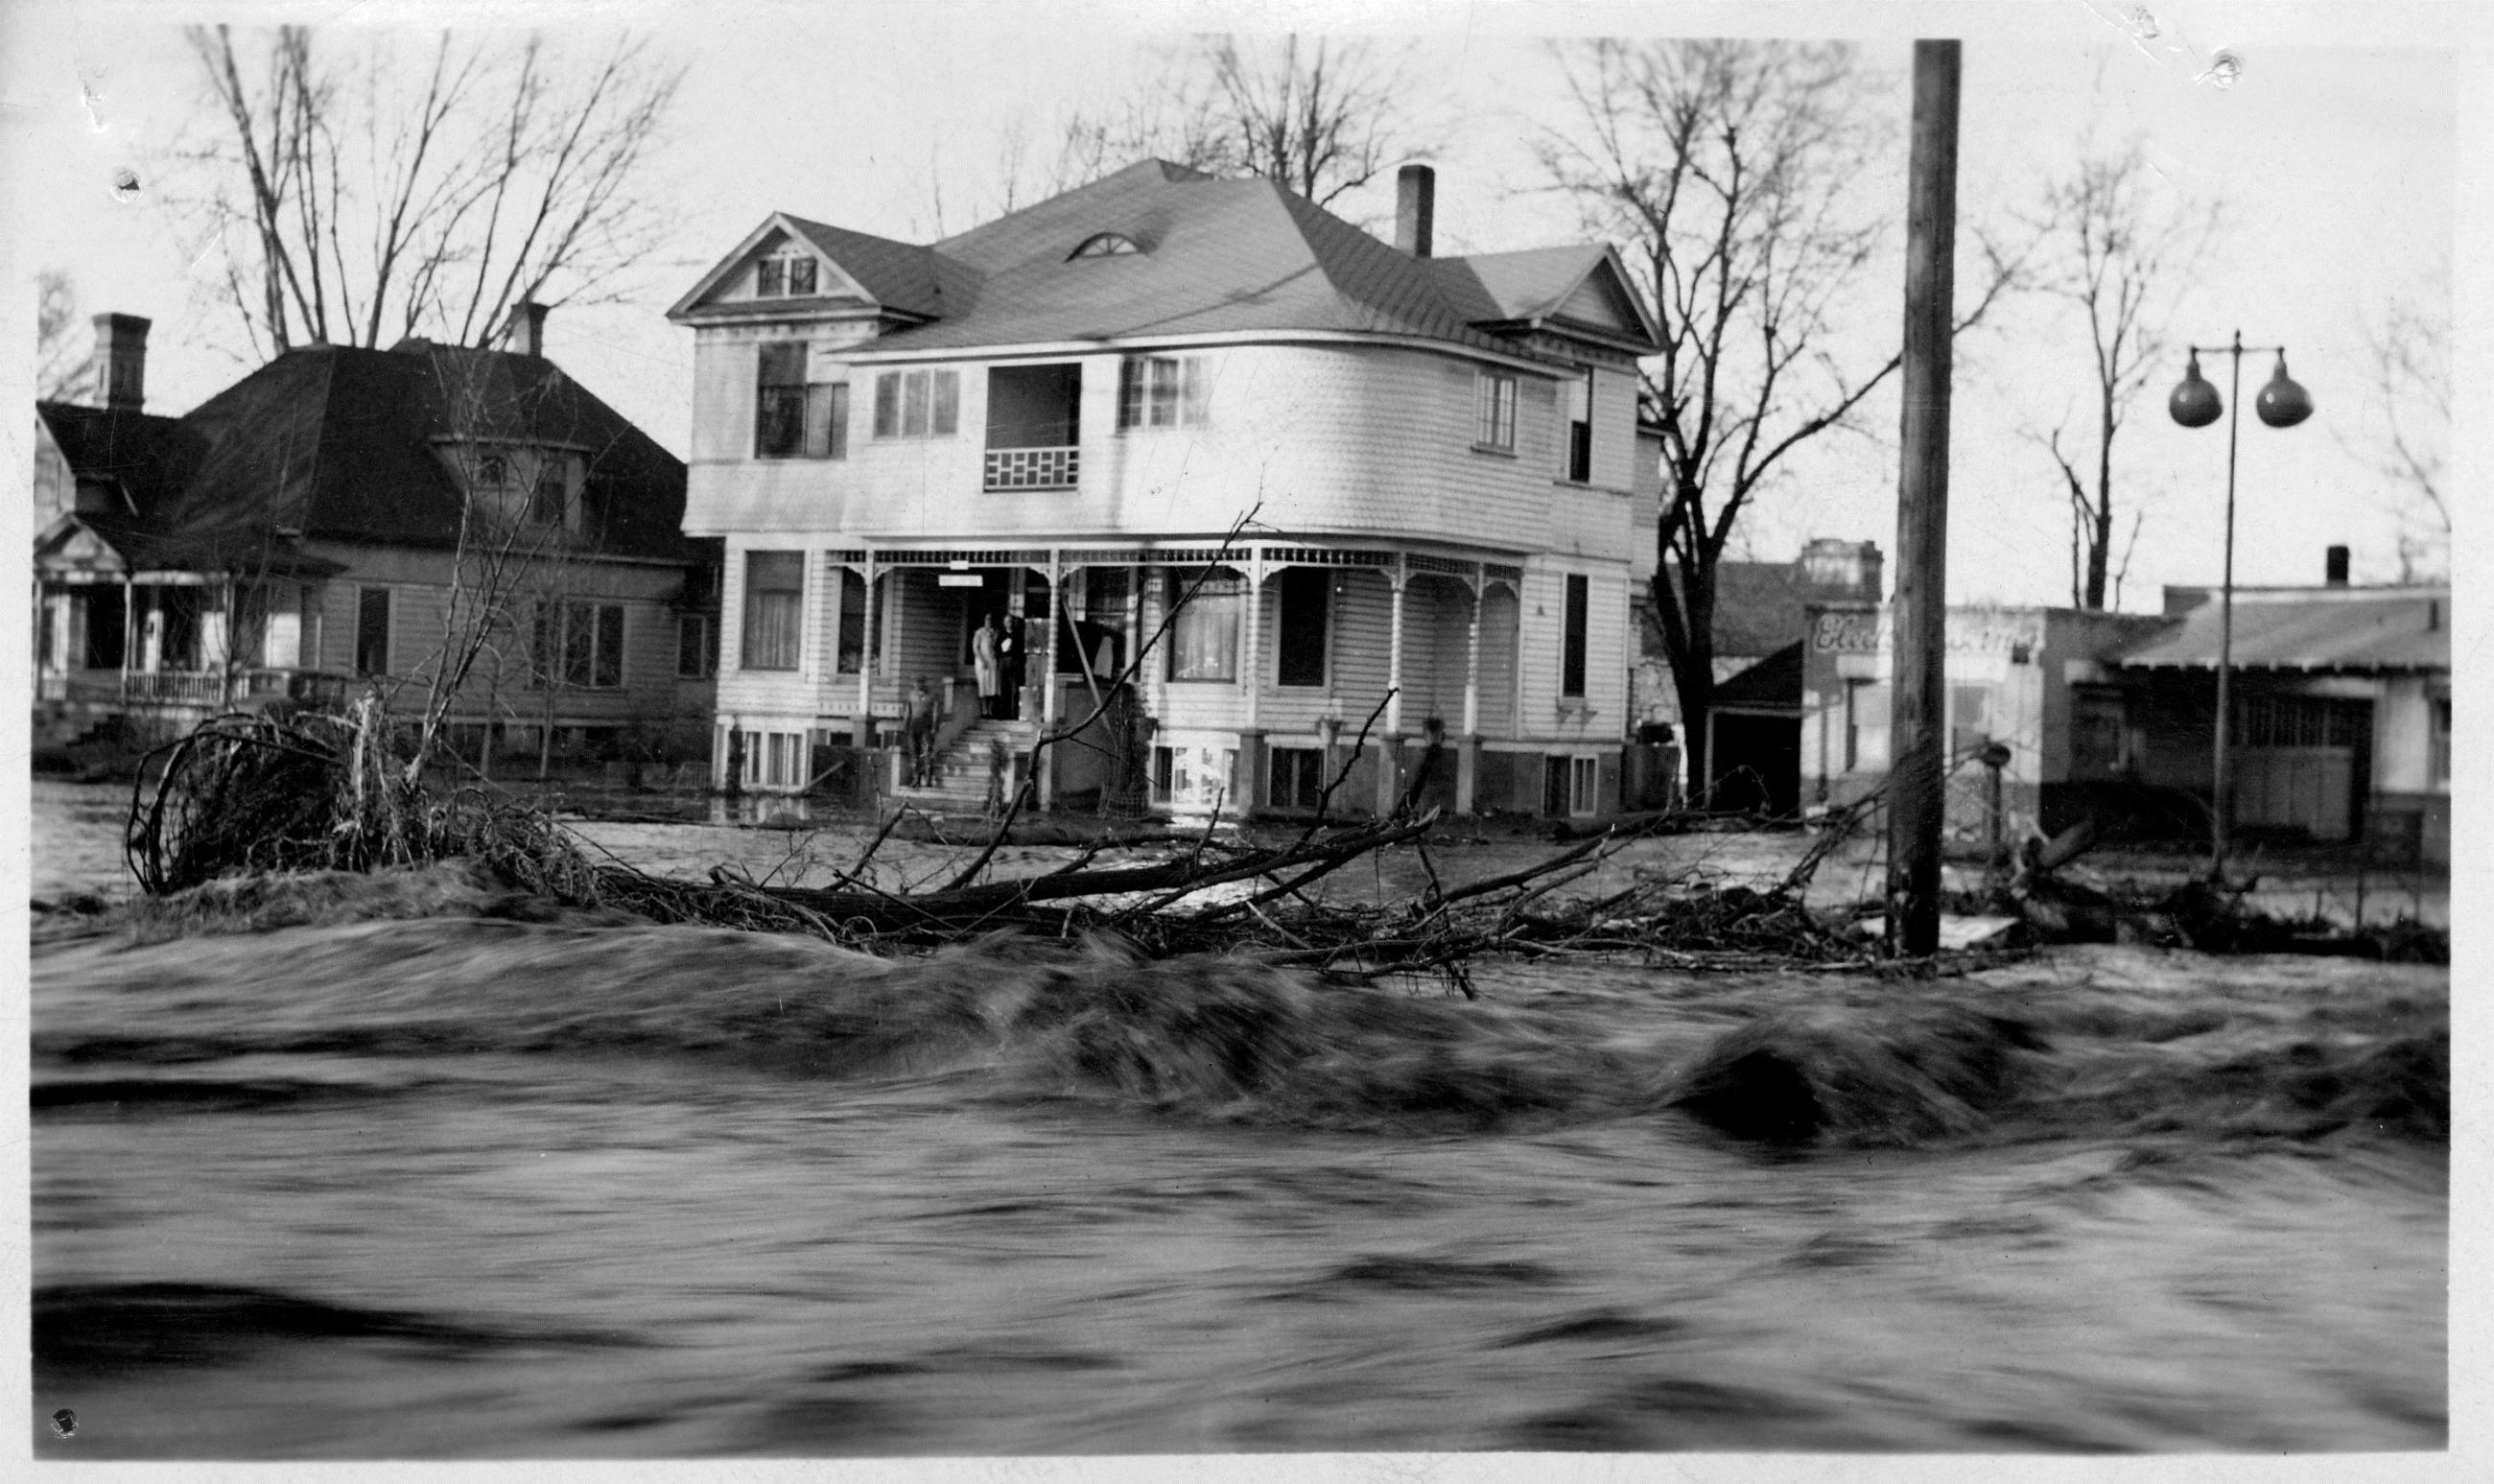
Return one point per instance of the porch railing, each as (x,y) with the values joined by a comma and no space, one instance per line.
(177,687)
(1033,468)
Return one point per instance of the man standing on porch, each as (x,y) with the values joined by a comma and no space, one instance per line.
(987,653)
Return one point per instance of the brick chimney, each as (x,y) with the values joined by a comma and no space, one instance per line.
(526,335)
(1416,206)
(121,353)
(2335,567)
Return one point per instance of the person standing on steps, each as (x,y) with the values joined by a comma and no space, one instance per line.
(1009,699)
(920,720)
(987,655)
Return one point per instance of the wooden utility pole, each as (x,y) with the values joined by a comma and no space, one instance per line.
(1917,715)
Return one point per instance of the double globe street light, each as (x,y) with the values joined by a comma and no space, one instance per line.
(2195,404)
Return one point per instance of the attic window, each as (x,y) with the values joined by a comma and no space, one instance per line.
(1105,245)
(784,276)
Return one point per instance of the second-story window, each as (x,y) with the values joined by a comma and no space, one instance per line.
(917,404)
(794,417)
(1159,391)
(1494,415)
(1577,454)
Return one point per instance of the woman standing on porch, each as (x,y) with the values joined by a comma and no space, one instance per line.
(987,653)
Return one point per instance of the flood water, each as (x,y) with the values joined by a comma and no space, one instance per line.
(473,1187)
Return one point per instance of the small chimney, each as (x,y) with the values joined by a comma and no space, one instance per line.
(1416,205)
(121,344)
(2334,566)
(527,333)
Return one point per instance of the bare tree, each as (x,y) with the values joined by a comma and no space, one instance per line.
(2119,257)
(63,363)
(1320,115)
(2411,354)
(378,197)
(1735,174)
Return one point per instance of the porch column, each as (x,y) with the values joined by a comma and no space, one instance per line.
(129,627)
(1468,744)
(861,725)
(1250,670)
(1043,762)
(1389,771)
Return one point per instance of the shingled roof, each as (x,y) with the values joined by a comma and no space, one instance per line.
(338,443)
(1215,256)
(2349,629)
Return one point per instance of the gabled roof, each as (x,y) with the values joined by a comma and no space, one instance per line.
(2311,629)
(339,443)
(1581,287)
(1773,681)
(1216,256)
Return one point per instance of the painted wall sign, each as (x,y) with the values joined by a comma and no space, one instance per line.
(1976,632)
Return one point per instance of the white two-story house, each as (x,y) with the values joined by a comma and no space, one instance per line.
(1062,417)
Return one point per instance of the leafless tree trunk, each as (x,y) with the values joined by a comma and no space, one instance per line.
(1733,173)
(2120,259)
(364,200)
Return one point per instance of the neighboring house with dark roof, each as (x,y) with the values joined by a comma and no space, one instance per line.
(1056,418)
(301,533)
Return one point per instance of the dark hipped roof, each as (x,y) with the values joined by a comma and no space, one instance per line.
(339,443)
(148,456)
(1216,256)
(2326,628)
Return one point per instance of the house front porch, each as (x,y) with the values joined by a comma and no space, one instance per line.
(1268,671)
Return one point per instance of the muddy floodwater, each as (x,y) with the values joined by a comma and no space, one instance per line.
(470,1186)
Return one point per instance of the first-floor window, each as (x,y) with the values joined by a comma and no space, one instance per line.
(2438,743)
(1572,658)
(775,592)
(580,644)
(1204,638)
(852,648)
(1301,646)
(696,656)
(372,631)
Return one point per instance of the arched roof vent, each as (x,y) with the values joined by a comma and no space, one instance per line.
(1105,245)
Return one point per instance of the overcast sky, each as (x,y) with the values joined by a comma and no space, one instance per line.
(2333,153)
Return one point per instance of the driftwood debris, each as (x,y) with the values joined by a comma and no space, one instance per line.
(260,793)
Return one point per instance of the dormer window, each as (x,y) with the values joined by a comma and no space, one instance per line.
(1105,245)
(784,276)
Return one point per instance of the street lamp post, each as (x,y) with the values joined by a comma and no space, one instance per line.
(2195,404)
